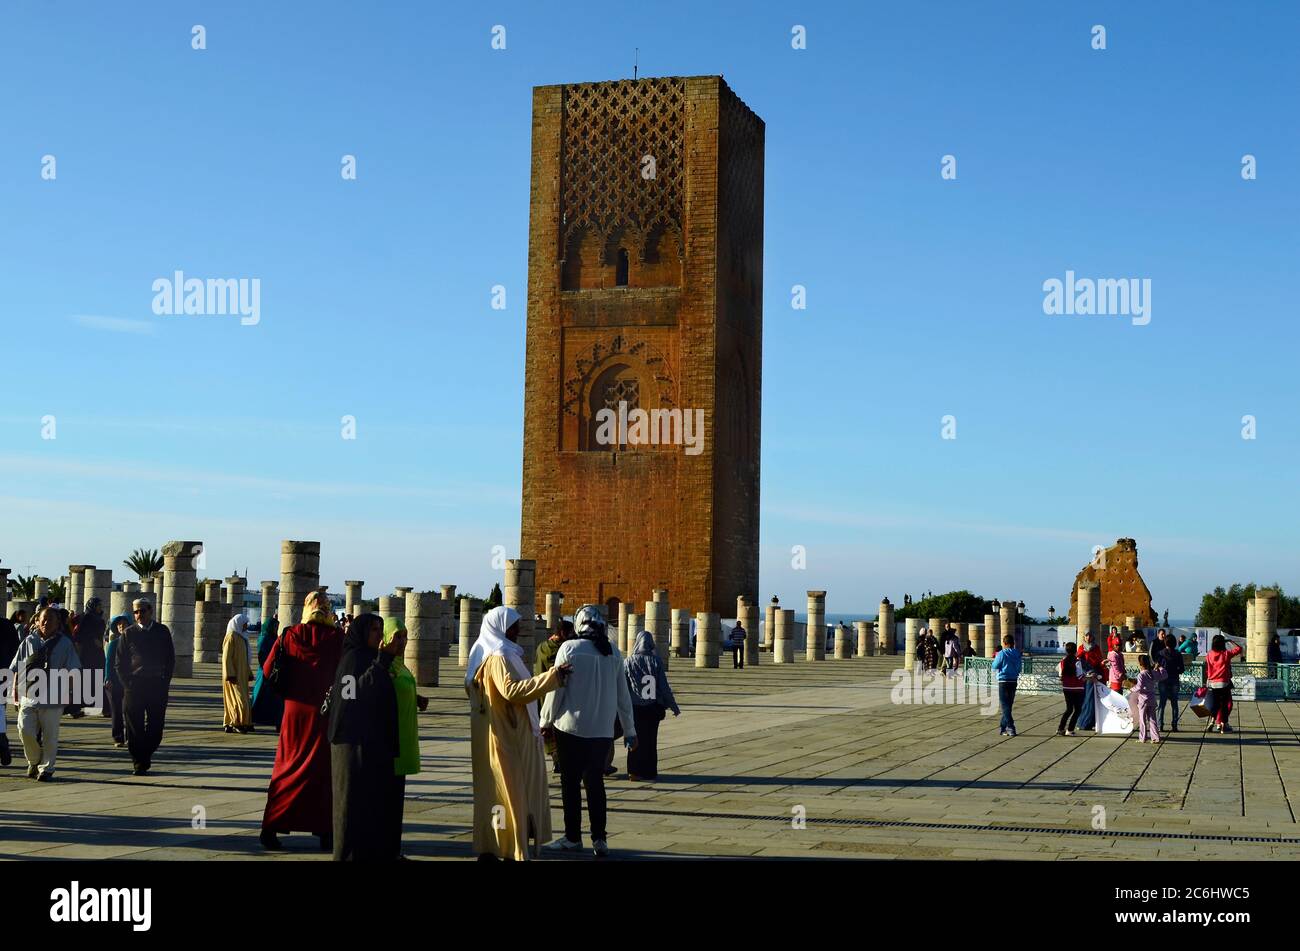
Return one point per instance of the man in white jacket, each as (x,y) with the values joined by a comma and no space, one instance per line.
(580,715)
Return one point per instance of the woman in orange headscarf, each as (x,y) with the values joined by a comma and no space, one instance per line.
(307,655)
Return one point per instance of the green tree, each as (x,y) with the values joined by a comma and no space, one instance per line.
(494,599)
(953,606)
(144,562)
(1226,610)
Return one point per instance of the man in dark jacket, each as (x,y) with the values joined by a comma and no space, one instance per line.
(144,663)
(1166,655)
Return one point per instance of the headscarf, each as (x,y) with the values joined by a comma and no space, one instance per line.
(591,626)
(492,642)
(358,635)
(238,625)
(642,662)
(316,609)
(94,606)
(391,626)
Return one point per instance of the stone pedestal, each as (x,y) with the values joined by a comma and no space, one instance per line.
(41,589)
(98,583)
(1252,653)
(146,587)
(235,586)
(866,638)
(911,629)
(519,592)
(1007,618)
(471,619)
(120,601)
(708,639)
(1265,626)
(747,614)
(885,628)
(963,634)
(299,576)
(936,628)
(681,632)
(992,639)
(270,595)
(423,636)
(783,637)
(352,597)
(1132,622)
(159,591)
(815,646)
(554,611)
(390,605)
(211,616)
(658,618)
(976,634)
(635,625)
(177,610)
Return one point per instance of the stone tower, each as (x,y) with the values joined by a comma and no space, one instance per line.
(645,287)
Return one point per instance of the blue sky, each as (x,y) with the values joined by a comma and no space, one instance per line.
(924,295)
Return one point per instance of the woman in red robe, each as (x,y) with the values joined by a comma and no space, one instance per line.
(299,799)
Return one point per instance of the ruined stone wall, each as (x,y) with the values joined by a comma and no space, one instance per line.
(1123,592)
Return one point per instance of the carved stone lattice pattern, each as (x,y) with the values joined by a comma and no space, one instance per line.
(624,390)
(600,354)
(609,128)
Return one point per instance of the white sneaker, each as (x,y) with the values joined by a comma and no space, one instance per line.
(563,845)
(1069,733)
(600,847)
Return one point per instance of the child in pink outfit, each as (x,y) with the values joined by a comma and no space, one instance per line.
(1147,679)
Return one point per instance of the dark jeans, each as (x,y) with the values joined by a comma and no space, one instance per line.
(1007,697)
(1073,707)
(582,764)
(145,710)
(738,656)
(113,704)
(644,760)
(1168,694)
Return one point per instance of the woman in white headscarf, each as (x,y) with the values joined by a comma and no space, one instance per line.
(510,792)
(237,715)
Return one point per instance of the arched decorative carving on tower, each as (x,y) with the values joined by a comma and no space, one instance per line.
(620,368)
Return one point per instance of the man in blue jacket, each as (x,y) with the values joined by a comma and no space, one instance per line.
(1006,667)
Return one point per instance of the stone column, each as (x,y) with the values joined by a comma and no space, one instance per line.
(177,611)
(74,592)
(1088,610)
(391,605)
(98,583)
(554,611)
(4,595)
(866,638)
(936,628)
(885,628)
(423,636)
(747,614)
(976,632)
(146,587)
(270,595)
(992,640)
(159,591)
(471,619)
(622,628)
(1132,623)
(449,630)
(963,633)
(635,625)
(401,591)
(1007,618)
(1265,626)
(658,617)
(1251,652)
(708,639)
(783,637)
(299,576)
(63,583)
(520,593)
(912,628)
(843,643)
(815,647)
(120,601)
(769,624)
(681,636)
(41,589)
(211,615)
(353,597)
(235,586)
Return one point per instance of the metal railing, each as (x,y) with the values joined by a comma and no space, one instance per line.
(1273,681)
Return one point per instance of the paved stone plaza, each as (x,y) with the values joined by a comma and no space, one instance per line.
(877,780)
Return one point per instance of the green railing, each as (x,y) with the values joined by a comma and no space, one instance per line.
(1041,674)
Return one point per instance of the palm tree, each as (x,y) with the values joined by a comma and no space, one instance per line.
(23,587)
(144,562)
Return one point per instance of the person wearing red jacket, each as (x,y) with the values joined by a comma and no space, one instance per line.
(1218,678)
(1072,685)
(1113,642)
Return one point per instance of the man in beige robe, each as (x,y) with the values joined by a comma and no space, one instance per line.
(511,796)
(237,714)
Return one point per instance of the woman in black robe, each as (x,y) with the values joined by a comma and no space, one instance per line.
(363,740)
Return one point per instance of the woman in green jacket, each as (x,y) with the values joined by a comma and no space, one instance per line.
(407,763)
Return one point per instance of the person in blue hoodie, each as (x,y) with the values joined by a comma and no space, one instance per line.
(1006,667)
(113,689)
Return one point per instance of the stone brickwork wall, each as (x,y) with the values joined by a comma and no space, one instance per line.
(1123,592)
(647,291)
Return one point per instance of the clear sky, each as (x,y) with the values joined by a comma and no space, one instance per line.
(925,296)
